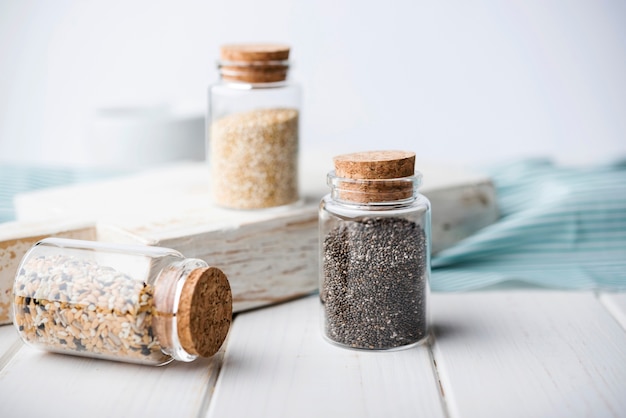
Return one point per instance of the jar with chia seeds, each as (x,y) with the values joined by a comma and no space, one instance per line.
(252,128)
(375,252)
(137,304)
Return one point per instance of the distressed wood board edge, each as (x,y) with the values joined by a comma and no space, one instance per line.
(266,262)
(16,238)
(460,211)
(115,234)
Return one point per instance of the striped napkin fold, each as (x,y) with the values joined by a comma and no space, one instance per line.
(561,228)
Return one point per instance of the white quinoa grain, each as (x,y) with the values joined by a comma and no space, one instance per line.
(254,159)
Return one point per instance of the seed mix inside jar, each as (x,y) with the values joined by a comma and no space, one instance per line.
(76,305)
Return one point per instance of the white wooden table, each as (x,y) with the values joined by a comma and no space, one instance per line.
(498,353)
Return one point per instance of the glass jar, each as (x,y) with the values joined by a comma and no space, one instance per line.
(137,304)
(253,128)
(374,252)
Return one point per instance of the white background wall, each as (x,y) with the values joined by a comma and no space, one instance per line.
(456,80)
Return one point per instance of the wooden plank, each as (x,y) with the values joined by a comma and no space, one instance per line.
(174,200)
(266,262)
(269,255)
(8,335)
(278,365)
(39,384)
(529,353)
(10,343)
(616,304)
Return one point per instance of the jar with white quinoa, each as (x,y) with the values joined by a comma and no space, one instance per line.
(136,304)
(253,128)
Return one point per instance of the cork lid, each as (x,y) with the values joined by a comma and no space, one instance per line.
(254,62)
(204,312)
(375,176)
(254,52)
(375,165)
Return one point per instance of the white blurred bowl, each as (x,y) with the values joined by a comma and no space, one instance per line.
(137,137)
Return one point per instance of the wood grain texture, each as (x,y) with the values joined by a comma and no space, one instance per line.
(175,200)
(508,353)
(270,255)
(38,384)
(460,211)
(529,354)
(278,365)
(16,238)
(266,262)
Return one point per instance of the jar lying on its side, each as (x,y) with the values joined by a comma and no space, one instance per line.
(375,252)
(137,304)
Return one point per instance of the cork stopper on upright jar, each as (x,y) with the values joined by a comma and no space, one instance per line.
(254,63)
(374,176)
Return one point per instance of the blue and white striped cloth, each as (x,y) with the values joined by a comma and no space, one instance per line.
(560,227)
(15,178)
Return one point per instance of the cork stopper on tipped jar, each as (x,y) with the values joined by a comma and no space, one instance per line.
(254,62)
(375,176)
(203,313)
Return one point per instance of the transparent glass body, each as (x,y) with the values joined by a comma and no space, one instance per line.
(115,302)
(374,266)
(253,143)
(227,97)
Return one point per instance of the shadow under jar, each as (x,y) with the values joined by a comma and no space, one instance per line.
(375,252)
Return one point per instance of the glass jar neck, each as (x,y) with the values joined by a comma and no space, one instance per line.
(253,72)
(244,85)
(374,193)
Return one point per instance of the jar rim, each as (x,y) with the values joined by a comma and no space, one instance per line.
(332,179)
(259,63)
(253,72)
(391,191)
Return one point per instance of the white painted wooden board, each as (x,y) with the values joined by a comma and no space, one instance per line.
(526,353)
(616,304)
(269,255)
(173,199)
(10,343)
(39,384)
(16,238)
(8,335)
(278,365)
(529,354)
(266,262)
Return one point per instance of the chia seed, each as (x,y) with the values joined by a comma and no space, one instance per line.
(374,283)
